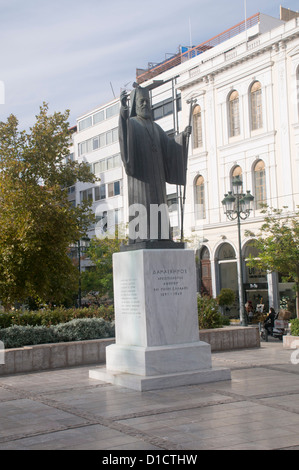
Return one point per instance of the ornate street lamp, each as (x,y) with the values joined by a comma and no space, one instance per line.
(237,205)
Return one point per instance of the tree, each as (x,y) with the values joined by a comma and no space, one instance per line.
(99,279)
(278,245)
(38,224)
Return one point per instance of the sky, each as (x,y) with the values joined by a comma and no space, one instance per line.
(77,55)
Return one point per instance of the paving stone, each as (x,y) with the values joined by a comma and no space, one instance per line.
(64,409)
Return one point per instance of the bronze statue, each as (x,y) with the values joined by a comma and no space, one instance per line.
(151,159)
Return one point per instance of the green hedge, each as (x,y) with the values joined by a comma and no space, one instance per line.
(47,317)
(17,336)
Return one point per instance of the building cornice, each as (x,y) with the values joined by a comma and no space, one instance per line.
(233,59)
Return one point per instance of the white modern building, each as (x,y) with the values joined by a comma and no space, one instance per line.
(245,122)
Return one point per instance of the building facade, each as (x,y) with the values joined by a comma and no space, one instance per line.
(245,122)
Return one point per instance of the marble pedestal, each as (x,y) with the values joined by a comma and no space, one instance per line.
(157,337)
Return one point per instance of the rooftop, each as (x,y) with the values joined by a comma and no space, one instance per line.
(187,53)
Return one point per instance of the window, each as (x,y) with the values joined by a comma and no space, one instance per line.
(100,140)
(256,106)
(112,111)
(95,143)
(110,163)
(111,136)
(234,114)
(116,160)
(86,195)
(100,166)
(197,127)
(237,171)
(85,123)
(69,157)
(172,202)
(200,209)
(71,189)
(297,89)
(114,189)
(100,192)
(259,184)
(107,164)
(98,117)
(164,108)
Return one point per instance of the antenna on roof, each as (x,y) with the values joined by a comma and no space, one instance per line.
(245,14)
(190,33)
(112,89)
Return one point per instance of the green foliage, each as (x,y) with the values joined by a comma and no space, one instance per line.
(278,245)
(100,278)
(208,313)
(295,327)
(83,329)
(18,336)
(47,317)
(38,224)
(226,297)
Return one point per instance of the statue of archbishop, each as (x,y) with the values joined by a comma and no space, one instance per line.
(151,159)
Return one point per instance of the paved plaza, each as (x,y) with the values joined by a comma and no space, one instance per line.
(65,409)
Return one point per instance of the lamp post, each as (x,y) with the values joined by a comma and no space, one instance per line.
(82,246)
(237,205)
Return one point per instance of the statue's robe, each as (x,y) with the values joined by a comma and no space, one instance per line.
(151,159)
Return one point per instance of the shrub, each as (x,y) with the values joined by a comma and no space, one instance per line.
(208,313)
(295,327)
(54,316)
(226,297)
(83,329)
(18,336)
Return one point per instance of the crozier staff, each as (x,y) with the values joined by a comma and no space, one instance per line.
(151,158)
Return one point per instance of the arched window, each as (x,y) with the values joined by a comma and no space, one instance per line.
(237,172)
(234,114)
(226,252)
(200,207)
(256,106)
(259,177)
(197,127)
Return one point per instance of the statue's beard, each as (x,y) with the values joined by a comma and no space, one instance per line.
(143,112)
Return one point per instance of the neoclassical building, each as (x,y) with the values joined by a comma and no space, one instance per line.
(244,87)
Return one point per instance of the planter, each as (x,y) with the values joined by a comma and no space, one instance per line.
(53,356)
(231,337)
(291,342)
(78,353)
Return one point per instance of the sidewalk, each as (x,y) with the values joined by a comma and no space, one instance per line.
(64,409)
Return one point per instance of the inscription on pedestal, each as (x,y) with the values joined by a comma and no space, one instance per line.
(130,302)
(170,282)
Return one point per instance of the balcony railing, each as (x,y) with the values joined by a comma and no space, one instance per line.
(194,51)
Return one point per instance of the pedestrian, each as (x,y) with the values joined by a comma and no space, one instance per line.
(269,322)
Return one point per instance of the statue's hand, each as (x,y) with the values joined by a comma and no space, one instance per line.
(124,98)
(188,131)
